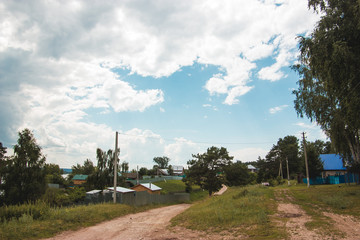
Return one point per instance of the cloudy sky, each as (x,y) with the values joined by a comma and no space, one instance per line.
(172,77)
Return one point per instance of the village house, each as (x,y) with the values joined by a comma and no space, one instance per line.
(79,179)
(148,187)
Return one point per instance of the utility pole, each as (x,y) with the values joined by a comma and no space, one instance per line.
(287,166)
(115,166)
(306,162)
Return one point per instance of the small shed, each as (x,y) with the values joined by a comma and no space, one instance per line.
(121,190)
(79,179)
(149,187)
(251,168)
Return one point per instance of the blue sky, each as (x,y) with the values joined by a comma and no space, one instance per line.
(172,79)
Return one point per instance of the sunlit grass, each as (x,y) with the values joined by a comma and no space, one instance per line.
(239,210)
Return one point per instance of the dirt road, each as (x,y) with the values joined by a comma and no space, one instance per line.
(149,225)
(137,226)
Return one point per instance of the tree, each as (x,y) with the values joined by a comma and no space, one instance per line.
(171,170)
(329,85)
(206,170)
(143,171)
(23,175)
(86,169)
(315,164)
(287,148)
(53,174)
(162,162)
(237,174)
(2,159)
(124,167)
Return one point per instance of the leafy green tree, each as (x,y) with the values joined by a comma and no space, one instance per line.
(162,162)
(124,167)
(143,171)
(86,169)
(287,148)
(53,174)
(329,85)
(2,159)
(207,169)
(315,164)
(237,174)
(23,175)
(171,170)
(104,172)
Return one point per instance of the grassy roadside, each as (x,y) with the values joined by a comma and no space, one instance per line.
(56,220)
(243,211)
(41,221)
(340,199)
(176,186)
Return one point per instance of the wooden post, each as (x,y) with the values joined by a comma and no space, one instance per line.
(306,162)
(115,166)
(287,167)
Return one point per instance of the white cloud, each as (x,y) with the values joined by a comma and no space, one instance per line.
(56,61)
(248,154)
(277,109)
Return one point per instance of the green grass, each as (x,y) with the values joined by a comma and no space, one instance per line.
(176,186)
(341,199)
(56,220)
(240,211)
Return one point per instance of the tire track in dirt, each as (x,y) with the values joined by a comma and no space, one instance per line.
(295,217)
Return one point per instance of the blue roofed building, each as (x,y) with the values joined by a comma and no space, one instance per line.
(333,165)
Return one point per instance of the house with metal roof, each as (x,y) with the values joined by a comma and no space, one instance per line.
(333,165)
(79,179)
(121,189)
(148,187)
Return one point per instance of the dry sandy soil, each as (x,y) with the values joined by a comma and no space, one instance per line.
(296,218)
(154,225)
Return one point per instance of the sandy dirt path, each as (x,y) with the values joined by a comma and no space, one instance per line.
(134,226)
(295,217)
(149,225)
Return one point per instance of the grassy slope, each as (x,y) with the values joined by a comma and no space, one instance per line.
(244,211)
(61,219)
(173,186)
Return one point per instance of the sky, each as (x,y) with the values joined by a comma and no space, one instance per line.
(173,78)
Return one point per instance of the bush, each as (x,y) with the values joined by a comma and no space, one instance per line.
(36,211)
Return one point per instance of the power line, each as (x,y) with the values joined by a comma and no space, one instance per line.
(197,142)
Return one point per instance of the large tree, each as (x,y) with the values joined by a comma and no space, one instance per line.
(329,85)
(162,162)
(207,169)
(23,174)
(286,149)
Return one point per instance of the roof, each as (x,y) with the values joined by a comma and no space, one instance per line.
(121,189)
(130,175)
(178,168)
(150,186)
(332,162)
(93,192)
(251,167)
(163,171)
(80,177)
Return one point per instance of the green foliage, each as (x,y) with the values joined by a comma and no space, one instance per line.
(35,210)
(55,220)
(53,174)
(328,91)
(287,148)
(61,197)
(237,174)
(162,162)
(206,170)
(23,174)
(315,164)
